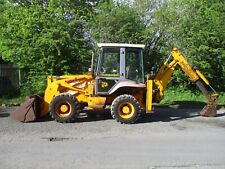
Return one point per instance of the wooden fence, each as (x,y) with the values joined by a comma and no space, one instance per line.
(10,79)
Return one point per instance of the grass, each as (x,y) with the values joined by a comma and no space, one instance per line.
(11,101)
(171,97)
(188,97)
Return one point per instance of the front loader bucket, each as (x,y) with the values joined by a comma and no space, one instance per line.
(29,110)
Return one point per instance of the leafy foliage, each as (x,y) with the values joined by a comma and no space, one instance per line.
(203,35)
(45,38)
(56,36)
(198,29)
(117,22)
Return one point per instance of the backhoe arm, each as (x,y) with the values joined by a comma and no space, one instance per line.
(158,85)
(194,74)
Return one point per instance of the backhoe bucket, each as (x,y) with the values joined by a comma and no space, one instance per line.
(210,109)
(29,110)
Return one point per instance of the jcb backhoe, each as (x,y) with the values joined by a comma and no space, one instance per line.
(118,81)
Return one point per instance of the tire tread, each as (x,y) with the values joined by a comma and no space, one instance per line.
(119,99)
(76,109)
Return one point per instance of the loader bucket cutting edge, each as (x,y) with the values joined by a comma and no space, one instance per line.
(29,110)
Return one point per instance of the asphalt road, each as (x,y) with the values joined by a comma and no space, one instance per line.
(169,138)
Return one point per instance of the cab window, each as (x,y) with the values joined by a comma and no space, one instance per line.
(110,65)
(134,64)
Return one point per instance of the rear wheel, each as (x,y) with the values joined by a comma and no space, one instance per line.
(125,109)
(64,108)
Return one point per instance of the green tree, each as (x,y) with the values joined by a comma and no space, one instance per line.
(117,22)
(202,33)
(197,28)
(45,37)
(155,35)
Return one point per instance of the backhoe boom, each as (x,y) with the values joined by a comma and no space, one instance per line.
(162,79)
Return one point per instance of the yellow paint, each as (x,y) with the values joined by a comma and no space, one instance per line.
(202,77)
(80,86)
(96,102)
(104,84)
(162,79)
(149,96)
(110,75)
(126,110)
(81,98)
(63,109)
(179,58)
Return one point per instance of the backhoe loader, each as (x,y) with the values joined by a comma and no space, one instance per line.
(117,81)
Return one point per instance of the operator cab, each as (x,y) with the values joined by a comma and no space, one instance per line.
(118,63)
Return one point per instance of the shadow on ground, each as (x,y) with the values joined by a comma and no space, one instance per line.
(2,115)
(85,116)
(168,114)
(161,113)
(189,104)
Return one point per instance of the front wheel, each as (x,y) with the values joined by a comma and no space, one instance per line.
(125,109)
(64,108)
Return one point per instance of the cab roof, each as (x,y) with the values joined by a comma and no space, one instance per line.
(121,45)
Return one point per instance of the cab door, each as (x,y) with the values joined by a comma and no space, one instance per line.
(110,69)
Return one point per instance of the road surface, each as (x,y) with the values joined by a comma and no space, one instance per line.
(170,138)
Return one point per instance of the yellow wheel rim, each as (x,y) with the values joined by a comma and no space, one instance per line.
(126,110)
(63,109)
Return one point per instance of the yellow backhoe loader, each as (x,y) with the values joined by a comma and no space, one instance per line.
(117,80)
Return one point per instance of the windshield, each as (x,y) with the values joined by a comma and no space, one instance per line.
(110,63)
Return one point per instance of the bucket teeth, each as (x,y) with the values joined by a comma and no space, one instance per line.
(209,110)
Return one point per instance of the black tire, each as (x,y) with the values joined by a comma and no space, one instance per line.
(130,104)
(70,105)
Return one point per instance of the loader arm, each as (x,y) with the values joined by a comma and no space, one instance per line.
(157,86)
